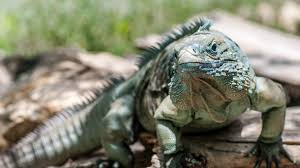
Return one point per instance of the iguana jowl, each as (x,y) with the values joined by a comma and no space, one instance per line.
(195,79)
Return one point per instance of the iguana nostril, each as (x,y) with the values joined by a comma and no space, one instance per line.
(194,49)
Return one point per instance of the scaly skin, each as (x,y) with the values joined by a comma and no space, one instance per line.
(194,80)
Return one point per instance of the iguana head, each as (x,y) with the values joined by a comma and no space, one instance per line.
(213,57)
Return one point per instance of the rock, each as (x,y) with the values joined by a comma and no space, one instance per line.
(266,13)
(155,163)
(6,78)
(245,11)
(289,16)
(19,127)
(144,42)
(106,61)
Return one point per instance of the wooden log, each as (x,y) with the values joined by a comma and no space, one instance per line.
(224,148)
(227,147)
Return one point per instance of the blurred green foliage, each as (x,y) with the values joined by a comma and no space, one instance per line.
(96,25)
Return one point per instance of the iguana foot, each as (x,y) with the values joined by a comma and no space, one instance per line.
(186,160)
(109,164)
(194,161)
(269,152)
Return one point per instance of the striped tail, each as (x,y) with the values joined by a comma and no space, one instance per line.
(73,131)
(54,145)
(7,160)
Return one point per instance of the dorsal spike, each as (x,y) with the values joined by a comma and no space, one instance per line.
(191,26)
(68,112)
(206,25)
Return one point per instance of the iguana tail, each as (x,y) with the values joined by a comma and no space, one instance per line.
(71,132)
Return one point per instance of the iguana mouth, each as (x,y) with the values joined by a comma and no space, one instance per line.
(202,66)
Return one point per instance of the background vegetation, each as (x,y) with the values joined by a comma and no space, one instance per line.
(29,26)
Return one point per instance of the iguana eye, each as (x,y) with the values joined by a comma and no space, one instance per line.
(214,47)
(212,50)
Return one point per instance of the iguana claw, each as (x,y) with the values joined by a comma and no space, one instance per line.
(269,152)
(194,161)
(108,164)
(186,160)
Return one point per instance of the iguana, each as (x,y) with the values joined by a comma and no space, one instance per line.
(194,80)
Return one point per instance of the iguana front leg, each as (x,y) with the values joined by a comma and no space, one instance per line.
(117,132)
(270,99)
(169,121)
